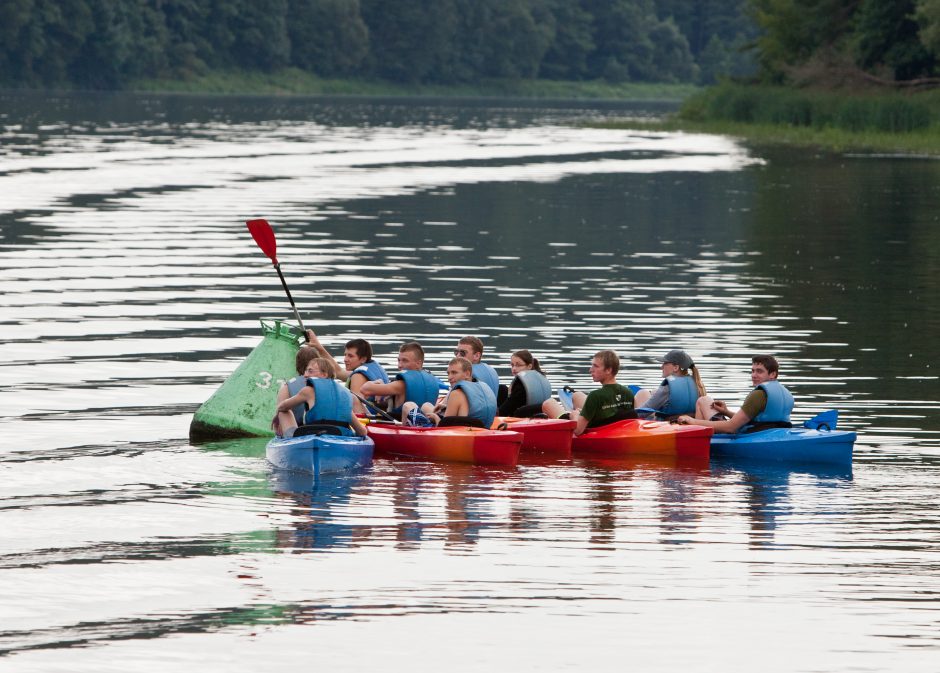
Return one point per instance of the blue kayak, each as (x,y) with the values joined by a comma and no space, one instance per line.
(816,442)
(320,454)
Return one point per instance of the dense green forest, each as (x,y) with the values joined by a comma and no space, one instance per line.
(108,44)
(833,43)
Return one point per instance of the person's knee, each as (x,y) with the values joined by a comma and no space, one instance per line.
(639,400)
(578,399)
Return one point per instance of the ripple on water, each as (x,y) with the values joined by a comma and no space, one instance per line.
(131,290)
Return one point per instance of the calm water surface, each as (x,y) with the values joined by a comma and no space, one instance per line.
(131,290)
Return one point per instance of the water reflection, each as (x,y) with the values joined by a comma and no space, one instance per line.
(768,491)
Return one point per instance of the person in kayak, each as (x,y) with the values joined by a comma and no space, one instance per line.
(358,366)
(610,403)
(412,384)
(528,389)
(471,347)
(326,400)
(291,388)
(768,405)
(469,402)
(679,391)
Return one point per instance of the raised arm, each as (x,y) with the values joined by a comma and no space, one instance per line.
(314,342)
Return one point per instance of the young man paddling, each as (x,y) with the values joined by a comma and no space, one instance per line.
(412,384)
(769,402)
(359,366)
(610,403)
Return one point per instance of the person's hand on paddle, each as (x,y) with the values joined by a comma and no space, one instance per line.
(312,339)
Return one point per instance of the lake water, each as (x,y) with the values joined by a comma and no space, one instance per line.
(131,289)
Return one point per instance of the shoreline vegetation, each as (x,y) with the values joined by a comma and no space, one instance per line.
(873,121)
(867,121)
(293,81)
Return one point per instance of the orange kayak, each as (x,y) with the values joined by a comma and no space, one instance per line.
(451,444)
(543,436)
(644,437)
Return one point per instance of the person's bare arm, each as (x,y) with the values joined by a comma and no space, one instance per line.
(457,404)
(357,426)
(377,388)
(732,425)
(305,395)
(722,408)
(582,422)
(314,342)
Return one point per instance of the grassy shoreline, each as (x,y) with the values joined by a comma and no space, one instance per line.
(915,143)
(881,122)
(291,81)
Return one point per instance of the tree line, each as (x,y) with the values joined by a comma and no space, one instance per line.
(105,44)
(886,42)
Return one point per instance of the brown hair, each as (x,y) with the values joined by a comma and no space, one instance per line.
(474,343)
(363,348)
(465,364)
(303,358)
(528,358)
(769,361)
(415,348)
(609,360)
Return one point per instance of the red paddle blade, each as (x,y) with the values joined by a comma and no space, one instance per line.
(263,234)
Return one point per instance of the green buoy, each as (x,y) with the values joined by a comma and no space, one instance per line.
(244,404)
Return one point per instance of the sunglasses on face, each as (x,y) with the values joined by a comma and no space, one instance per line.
(461,352)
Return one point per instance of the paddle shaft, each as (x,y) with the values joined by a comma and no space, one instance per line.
(277,267)
(386,415)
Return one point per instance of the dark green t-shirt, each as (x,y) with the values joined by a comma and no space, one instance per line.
(607,401)
(754,403)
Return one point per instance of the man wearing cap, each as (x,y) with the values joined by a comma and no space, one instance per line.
(678,392)
(768,403)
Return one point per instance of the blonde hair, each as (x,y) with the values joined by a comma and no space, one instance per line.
(464,363)
(325,367)
(699,385)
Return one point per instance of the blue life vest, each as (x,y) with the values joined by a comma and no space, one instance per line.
(779,403)
(537,387)
(682,395)
(332,402)
(483,373)
(420,386)
(372,370)
(480,399)
(294,386)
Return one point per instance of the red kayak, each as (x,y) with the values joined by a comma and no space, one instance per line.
(644,437)
(452,443)
(550,437)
